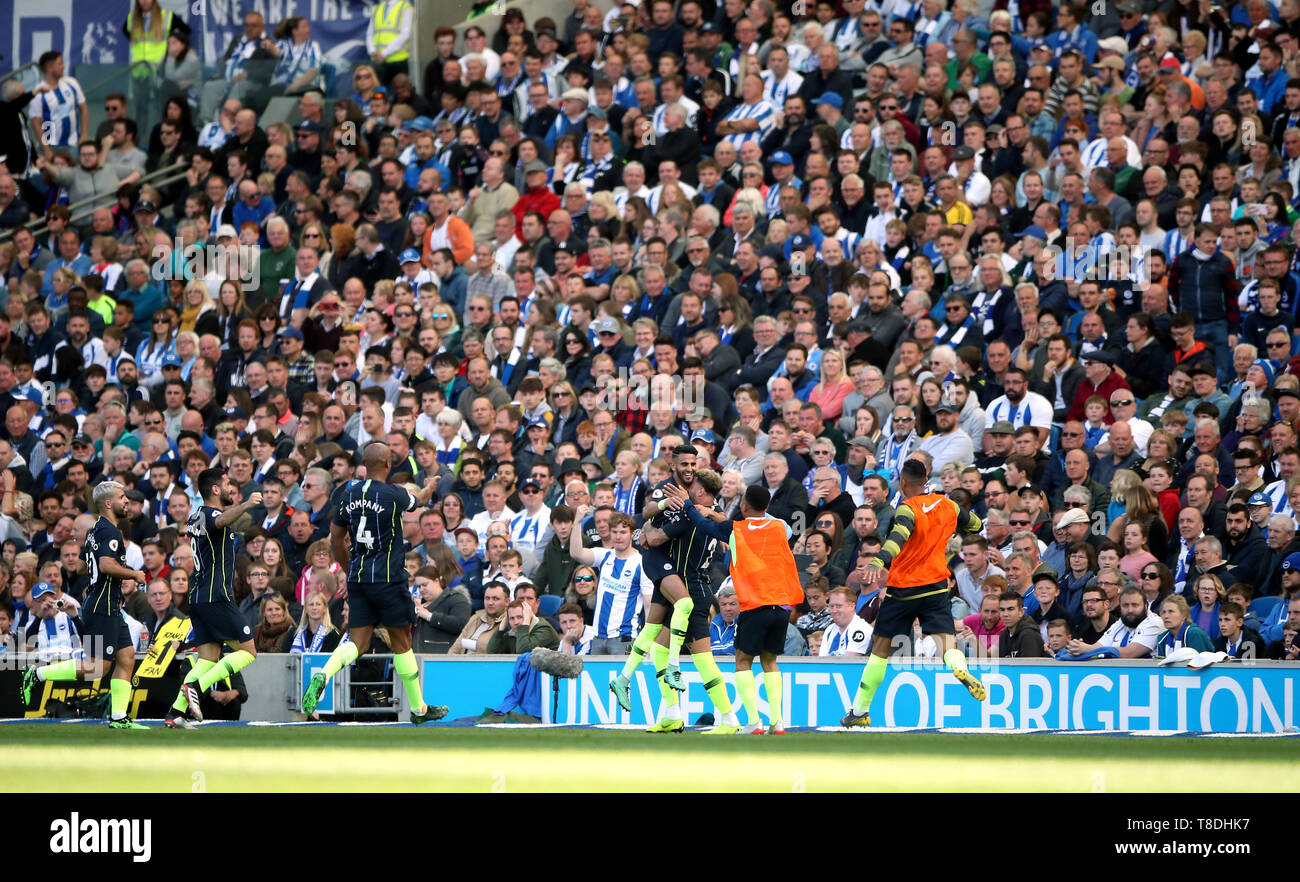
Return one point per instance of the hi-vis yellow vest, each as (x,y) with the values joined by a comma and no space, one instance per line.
(146,48)
(387,18)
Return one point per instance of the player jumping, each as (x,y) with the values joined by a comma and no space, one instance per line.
(691,551)
(106,636)
(369,519)
(917,586)
(670,591)
(766,581)
(214,616)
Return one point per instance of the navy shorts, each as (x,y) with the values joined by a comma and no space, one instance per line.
(897,614)
(103,635)
(762,630)
(219,622)
(657,566)
(380,603)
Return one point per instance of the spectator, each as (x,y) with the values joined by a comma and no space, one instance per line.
(442,613)
(1020,637)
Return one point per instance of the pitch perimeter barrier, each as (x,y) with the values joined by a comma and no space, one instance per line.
(1140,696)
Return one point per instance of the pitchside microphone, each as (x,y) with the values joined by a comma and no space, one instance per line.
(557,664)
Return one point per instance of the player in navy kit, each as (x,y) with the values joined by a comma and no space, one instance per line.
(366,536)
(105,637)
(670,591)
(214,616)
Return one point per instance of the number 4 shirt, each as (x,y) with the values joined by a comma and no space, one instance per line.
(372,514)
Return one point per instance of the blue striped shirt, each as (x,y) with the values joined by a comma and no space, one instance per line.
(620,587)
(296,60)
(761,110)
(57,109)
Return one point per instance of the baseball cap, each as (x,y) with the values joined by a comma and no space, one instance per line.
(237,413)
(33,394)
(607,325)
(530,483)
(1169,64)
(709,28)
(292,333)
(1113,44)
(945,404)
(704,435)
(1029,488)
(780,157)
(1292,561)
(798,242)
(308,125)
(863,441)
(1260,499)
(1034,230)
(562,247)
(41,589)
(1112,61)
(1001,427)
(144,206)
(1078,516)
(379,90)
(227,231)
(963,153)
(466,531)
(82,438)
(535,165)
(543,424)
(171,359)
(831,98)
(410,255)
(420,124)
(597,112)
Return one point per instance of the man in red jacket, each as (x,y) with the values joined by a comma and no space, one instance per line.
(536,196)
(1099,378)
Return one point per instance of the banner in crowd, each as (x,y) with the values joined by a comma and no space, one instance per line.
(91,32)
(1073,696)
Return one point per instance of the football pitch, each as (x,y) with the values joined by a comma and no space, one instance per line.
(79,757)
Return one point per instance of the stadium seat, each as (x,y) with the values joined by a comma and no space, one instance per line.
(281,109)
(1263,607)
(549,603)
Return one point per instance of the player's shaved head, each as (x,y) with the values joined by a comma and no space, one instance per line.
(376,457)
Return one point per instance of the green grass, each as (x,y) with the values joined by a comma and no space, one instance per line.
(92,758)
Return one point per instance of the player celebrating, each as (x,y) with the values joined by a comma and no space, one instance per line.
(104,631)
(215,619)
(917,587)
(692,551)
(369,514)
(766,580)
(669,591)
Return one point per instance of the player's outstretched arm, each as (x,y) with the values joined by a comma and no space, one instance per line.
(720,530)
(426,492)
(232,514)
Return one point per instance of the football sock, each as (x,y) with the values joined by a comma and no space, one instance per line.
(661,666)
(682,610)
(872,676)
(747,691)
(345,654)
(955,659)
(640,646)
(200,667)
(772,682)
(229,665)
(119,696)
(713,682)
(409,670)
(59,671)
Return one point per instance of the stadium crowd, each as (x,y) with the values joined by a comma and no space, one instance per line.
(1047,250)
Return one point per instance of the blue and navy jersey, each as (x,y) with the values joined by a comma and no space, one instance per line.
(691,551)
(620,587)
(213,580)
(372,513)
(104,596)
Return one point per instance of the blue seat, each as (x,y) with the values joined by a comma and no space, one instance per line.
(549,603)
(1265,607)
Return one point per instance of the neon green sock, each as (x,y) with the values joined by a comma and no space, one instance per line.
(119,696)
(230,664)
(955,659)
(200,667)
(682,610)
(345,654)
(58,672)
(872,676)
(661,666)
(713,682)
(640,647)
(775,712)
(409,670)
(747,691)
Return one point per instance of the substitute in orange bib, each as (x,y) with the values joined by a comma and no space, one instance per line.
(766,581)
(913,568)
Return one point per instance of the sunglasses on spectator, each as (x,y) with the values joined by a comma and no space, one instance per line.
(583,579)
(1123,402)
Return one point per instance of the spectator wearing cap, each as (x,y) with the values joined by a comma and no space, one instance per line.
(572,118)
(949,443)
(51,633)
(537,196)
(1100,378)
